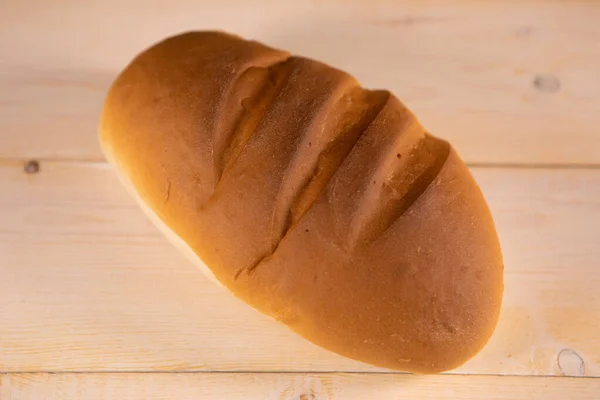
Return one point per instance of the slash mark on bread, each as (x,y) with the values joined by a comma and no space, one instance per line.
(358,109)
(366,106)
(397,184)
(251,104)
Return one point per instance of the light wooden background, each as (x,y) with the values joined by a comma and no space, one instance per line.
(94,304)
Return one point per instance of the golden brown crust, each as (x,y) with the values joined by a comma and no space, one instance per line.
(322,204)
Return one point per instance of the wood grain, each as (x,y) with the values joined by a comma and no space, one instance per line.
(87,284)
(507,82)
(184,386)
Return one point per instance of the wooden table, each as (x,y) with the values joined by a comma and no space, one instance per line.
(94,304)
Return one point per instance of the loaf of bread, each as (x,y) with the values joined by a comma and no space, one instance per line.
(322,204)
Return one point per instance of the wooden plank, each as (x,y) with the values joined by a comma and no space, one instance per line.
(87,284)
(271,386)
(505,81)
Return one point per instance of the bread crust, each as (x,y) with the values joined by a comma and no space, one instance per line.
(322,204)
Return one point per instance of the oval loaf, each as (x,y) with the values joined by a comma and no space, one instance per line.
(322,204)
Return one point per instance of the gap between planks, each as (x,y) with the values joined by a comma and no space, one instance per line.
(289,372)
(8,161)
